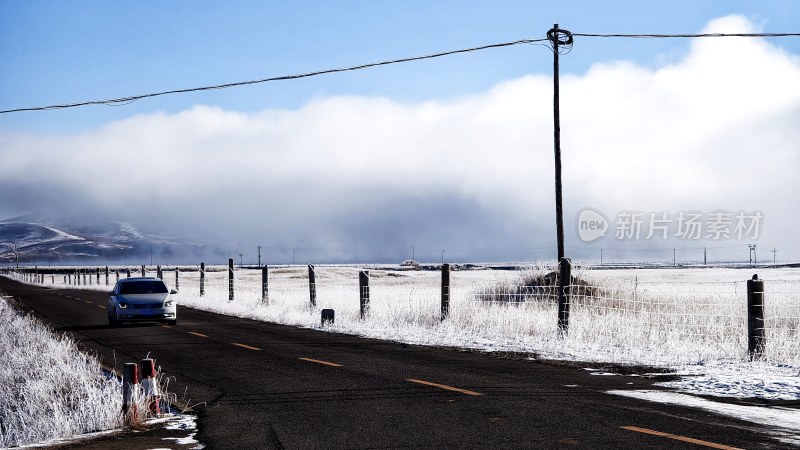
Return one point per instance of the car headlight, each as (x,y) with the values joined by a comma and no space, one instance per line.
(169,303)
(123,305)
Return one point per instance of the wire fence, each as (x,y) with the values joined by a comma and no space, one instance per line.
(663,322)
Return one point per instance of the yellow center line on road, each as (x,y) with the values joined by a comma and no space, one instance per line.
(246,346)
(197,334)
(443,386)
(321,362)
(679,438)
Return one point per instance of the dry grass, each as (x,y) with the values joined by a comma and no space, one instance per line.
(51,390)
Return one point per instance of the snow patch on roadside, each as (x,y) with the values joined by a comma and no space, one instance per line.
(188,424)
(762,380)
(785,422)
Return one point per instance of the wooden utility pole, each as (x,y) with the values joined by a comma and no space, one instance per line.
(559,39)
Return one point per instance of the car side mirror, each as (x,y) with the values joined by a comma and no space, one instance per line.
(173,291)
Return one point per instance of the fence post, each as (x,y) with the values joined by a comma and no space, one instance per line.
(312,285)
(159,273)
(564,281)
(363,287)
(130,379)
(230,279)
(149,385)
(202,279)
(106,275)
(756,341)
(69,279)
(445,290)
(83,271)
(265,283)
(128,272)
(117,271)
(143,272)
(177,281)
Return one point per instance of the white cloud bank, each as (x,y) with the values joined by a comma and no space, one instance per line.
(717,129)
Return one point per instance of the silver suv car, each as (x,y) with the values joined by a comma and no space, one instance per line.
(143,299)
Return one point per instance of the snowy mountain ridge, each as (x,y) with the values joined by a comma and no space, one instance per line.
(37,239)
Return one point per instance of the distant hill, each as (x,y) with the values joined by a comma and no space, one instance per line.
(42,240)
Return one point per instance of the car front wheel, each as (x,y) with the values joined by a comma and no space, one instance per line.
(112,317)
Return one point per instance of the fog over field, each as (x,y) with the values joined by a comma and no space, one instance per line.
(355,178)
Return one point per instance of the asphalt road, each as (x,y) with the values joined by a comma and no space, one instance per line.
(260,385)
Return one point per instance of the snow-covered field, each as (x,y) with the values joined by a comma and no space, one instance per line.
(690,320)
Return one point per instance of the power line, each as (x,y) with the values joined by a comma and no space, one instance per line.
(305,249)
(701,35)
(132,98)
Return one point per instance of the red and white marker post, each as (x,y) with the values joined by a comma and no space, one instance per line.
(149,385)
(130,382)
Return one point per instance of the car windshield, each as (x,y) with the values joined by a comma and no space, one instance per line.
(143,287)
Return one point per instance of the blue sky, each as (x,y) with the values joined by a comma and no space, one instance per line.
(453,153)
(55,51)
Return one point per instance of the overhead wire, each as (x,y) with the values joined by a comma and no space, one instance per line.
(699,35)
(131,98)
